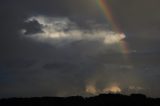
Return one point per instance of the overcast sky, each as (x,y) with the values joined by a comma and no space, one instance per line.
(68,47)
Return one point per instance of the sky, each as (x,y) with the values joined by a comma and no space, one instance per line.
(79,47)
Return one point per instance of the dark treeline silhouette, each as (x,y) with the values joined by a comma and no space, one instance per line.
(100,100)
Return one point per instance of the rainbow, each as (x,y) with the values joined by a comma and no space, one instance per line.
(107,12)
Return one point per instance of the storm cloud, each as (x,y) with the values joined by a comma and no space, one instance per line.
(64,48)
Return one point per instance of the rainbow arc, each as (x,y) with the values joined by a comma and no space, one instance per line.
(107,12)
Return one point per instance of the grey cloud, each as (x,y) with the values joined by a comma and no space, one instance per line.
(16,64)
(58,66)
(32,27)
(61,30)
(32,68)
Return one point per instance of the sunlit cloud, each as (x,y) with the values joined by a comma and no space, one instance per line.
(112,89)
(63,30)
(91,89)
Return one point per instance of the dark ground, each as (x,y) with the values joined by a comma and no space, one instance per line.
(100,100)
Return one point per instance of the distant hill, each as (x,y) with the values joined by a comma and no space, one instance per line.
(100,100)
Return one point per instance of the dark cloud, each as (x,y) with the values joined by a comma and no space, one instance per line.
(32,27)
(14,64)
(58,66)
(30,67)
